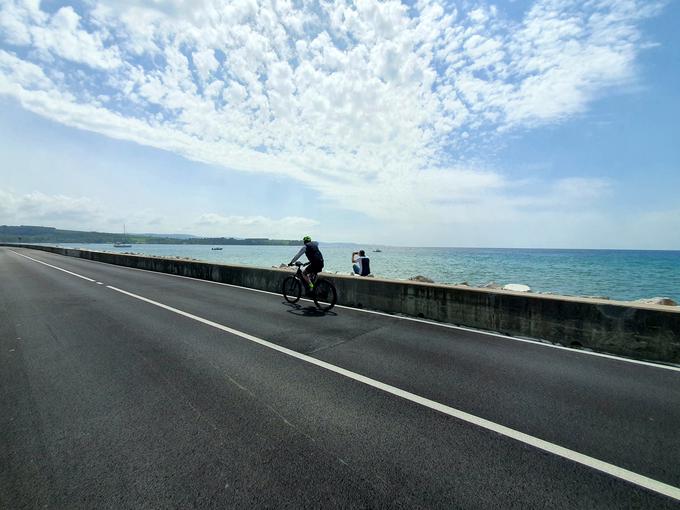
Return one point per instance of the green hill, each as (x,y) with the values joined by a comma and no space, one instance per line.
(36,234)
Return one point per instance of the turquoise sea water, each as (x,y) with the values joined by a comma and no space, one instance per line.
(616,274)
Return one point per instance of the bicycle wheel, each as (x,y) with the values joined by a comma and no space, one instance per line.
(292,289)
(325,295)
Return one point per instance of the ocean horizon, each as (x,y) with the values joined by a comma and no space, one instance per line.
(613,274)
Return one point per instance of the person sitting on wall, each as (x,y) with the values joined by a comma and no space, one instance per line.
(361,263)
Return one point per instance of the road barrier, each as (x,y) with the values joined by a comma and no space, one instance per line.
(640,331)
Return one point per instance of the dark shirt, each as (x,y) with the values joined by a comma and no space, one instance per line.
(364,264)
(312,252)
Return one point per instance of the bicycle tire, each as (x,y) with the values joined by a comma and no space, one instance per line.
(292,289)
(325,295)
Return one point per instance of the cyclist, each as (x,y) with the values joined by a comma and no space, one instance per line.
(313,254)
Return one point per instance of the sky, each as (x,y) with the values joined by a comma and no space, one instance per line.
(545,124)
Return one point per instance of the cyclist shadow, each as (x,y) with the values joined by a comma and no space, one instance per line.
(307,310)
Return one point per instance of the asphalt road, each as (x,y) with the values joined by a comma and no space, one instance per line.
(122,388)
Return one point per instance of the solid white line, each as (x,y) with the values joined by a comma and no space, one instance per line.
(53,267)
(422,321)
(410,319)
(605,467)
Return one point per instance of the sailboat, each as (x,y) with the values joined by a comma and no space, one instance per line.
(124,243)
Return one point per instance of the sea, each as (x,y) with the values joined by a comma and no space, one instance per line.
(613,274)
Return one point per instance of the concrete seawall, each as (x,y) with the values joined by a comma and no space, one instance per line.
(650,332)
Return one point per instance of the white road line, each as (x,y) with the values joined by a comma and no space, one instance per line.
(605,467)
(610,469)
(422,321)
(53,267)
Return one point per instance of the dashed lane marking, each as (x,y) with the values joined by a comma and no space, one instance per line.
(599,465)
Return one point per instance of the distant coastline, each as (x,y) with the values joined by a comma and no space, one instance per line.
(36,234)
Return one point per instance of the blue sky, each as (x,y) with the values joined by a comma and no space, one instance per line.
(513,124)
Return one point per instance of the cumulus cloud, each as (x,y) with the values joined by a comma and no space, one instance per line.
(37,208)
(63,211)
(373,104)
(254,226)
(75,212)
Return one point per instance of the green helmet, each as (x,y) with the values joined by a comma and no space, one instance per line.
(306,239)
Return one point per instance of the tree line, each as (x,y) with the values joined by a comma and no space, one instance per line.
(37,234)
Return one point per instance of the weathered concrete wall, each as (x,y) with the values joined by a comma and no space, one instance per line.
(640,331)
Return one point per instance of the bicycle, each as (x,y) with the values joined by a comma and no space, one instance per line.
(324,294)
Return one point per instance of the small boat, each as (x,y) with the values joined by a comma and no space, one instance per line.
(216,248)
(123,243)
(377,250)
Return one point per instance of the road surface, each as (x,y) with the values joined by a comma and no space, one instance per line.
(122,388)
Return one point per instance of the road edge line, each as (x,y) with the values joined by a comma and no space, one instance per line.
(591,462)
(538,343)
(53,267)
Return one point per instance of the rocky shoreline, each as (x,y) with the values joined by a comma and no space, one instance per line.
(520,287)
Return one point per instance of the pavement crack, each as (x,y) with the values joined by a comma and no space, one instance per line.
(373,478)
(255,397)
(343,342)
(53,335)
(170,387)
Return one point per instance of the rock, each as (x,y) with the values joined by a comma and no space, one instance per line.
(517,287)
(657,301)
(492,285)
(421,278)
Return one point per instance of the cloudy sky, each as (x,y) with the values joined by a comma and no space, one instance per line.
(519,123)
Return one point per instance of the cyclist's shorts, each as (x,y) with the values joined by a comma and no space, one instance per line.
(315,267)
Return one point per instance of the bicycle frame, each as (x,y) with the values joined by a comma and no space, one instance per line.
(299,275)
(324,299)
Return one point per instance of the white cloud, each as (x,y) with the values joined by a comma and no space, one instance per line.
(368,103)
(205,62)
(14,23)
(581,188)
(59,34)
(37,208)
(80,213)
(253,226)
(20,75)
